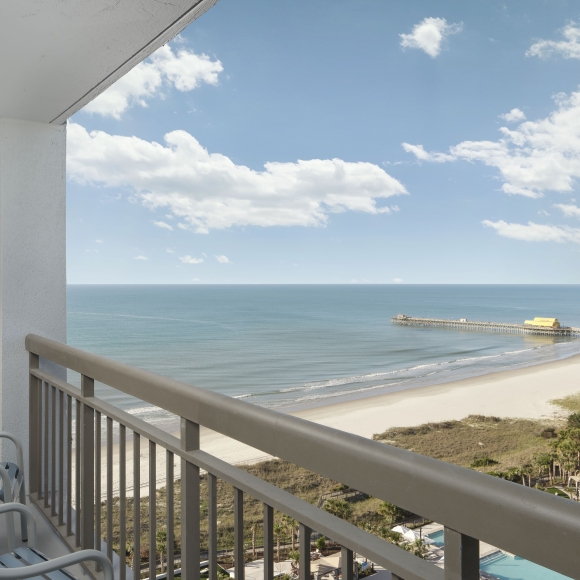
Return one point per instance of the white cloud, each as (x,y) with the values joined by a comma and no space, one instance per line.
(514,116)
(537,156)
(141,257)
(209,191)
(183,70)
(397,280)
(419,152)
(568,210)
(99,241)
(170,251)
(568,48)
(163,225)
(190,260)
(429,34)
(533,232)
(222,259)
(169,216)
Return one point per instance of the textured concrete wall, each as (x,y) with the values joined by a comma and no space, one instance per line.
(32,256)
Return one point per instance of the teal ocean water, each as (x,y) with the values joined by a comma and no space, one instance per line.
(286,347)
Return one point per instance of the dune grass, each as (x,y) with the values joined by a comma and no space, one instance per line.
(509,442)
(569,403)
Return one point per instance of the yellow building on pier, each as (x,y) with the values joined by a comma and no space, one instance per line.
(545,322)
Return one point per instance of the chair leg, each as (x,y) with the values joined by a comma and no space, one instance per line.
(23,524)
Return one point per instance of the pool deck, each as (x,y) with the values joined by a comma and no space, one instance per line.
(484,549)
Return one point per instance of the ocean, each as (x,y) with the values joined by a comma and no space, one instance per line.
(287,347)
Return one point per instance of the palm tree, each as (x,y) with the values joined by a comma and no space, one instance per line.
(543,463)
(338,507)
(389,511)
(396,537)
(278,530)
(420,548)
(290,524)
(161,545)
(254,539)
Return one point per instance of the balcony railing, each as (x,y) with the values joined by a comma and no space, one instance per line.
(472,506)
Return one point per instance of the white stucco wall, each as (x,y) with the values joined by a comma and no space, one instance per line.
(32,256)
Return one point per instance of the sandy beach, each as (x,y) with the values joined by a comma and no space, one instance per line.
(515,393)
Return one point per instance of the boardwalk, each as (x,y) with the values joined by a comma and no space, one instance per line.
(463,324)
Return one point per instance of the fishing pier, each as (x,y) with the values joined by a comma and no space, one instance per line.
(463,324)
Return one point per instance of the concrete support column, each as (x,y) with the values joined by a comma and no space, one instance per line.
(32,258)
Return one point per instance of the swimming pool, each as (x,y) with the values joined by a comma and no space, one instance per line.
(438,538)
(507,567)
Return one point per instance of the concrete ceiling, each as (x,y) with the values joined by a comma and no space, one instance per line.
(57,55)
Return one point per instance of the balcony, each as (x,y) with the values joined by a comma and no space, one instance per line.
(67,468)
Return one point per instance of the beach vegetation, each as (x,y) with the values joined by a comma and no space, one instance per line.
(391,512)
(569,403)
(549,433)
(338,507)
(473,441)
(321,543)
(483,462)
(574,420)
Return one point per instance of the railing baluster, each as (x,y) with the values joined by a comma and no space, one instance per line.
(212,525)
(461,556)
(169,479)
(98,505)
(69,413)
(78,474)
(110,488)
(88,467)
(34,426)
(45,444)
(122,502)
(61,453)
(304,548)
(190,537)
(53,451)
(346,563)
(136,505)
(239,564)
(152,510)
(268,542)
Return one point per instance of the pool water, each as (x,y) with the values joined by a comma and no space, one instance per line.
(438,538)
(507,567)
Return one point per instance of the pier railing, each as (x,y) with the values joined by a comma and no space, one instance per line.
(472,506)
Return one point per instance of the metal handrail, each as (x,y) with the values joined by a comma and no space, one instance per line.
(359,540)
(524,521)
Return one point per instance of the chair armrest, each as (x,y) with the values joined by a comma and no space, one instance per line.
(27,513)
(18,445)
(59,563)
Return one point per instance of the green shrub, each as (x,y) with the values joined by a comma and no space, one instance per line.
(483,462)
(549,433)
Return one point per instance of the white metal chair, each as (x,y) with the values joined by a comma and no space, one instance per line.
(12,478)
(29,562)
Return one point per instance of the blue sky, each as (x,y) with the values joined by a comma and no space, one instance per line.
(337,142)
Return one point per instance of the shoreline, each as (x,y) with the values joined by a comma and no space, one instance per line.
(521,393)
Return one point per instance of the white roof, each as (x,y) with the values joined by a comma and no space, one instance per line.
(57,56)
